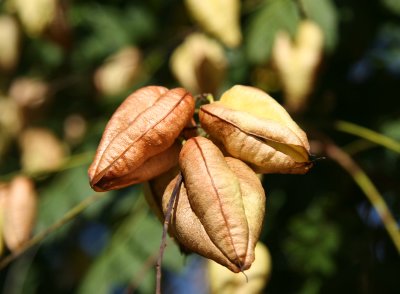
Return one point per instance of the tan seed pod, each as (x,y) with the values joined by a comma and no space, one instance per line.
(253,127)
(20,212)
(223,281)
(9,42)
(35,15)
(199,64)
(41,150)
(218,17)
(141,133)
(4,190)
(154,191)
(297,62)
(118,72)
(217,214)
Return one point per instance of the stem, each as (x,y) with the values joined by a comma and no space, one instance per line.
(368,134)
(68,216)
(369,189)
(171,202)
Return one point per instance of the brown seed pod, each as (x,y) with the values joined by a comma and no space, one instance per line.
(210,216)
(143,127)
(20,212)
(253,127)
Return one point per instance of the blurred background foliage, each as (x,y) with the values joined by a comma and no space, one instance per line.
(65,66)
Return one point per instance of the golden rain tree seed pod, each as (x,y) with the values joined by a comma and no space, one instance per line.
(4,189)
(138,142)
(20,212)
(119,71)
(9,42)
(35,15)
(220,208)
(253,127)
(220,18)
(223,281)
(41,150)
(297,62)
(199,64)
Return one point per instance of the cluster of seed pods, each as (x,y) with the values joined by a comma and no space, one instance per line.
(220,205)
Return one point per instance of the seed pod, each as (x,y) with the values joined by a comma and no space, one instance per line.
(119,71)
(297,62)
(220,208)
(253,127)
(199,64)
(137,143)
(154,191)
(20,212)
(4,189)
(223,281)
(9,43)
(218,17)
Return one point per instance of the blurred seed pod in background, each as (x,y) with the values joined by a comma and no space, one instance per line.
(10,123)
(220,209)
(297,63)
(29,93)
(4,189)
(199,64)
(118,72)
(255,128)
(41,150)
(223,281)
(35,15)
(75,127)
(20,212)
(139,141)
(221,18)
(9,43)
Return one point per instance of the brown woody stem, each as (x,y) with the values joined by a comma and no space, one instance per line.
(167,219)
(369,189)
(68,216)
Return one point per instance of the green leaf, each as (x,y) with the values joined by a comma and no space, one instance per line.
(135,241)
(65,191)
(324,13)
(275,15)
(392,5)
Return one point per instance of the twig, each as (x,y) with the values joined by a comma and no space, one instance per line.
(140,274)
(175,193)
(68,216)
(368,134)
(369,189)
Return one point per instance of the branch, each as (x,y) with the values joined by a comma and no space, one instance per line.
(68,216)
(369,189)
(171,202)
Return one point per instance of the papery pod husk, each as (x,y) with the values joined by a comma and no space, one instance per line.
(29,93)
(20,212)
(219,211)
(154,191)
(41,150)
(297,63)
(199,64)
(223,281)
(35,15)
(253,127)
(119,71)
(9,43)
(4,190)
(144,126)
(220,18)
